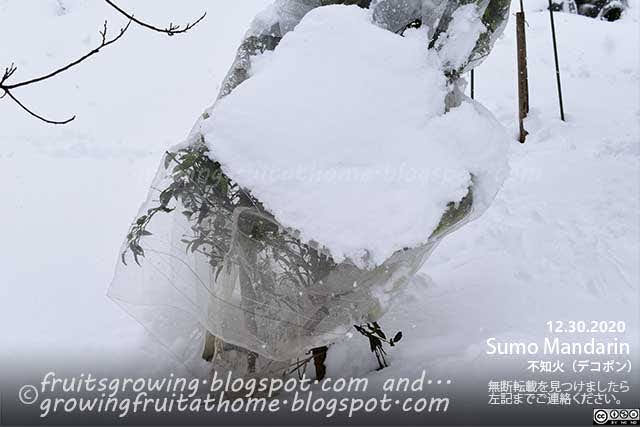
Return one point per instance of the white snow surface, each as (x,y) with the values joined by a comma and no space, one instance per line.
(560,241)
(341,133)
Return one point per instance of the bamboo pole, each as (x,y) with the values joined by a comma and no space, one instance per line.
(555,54)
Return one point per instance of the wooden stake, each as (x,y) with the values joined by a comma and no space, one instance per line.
(319,357)
(523,77)
(555,54)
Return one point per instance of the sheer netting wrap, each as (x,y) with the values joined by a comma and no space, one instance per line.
(213,275)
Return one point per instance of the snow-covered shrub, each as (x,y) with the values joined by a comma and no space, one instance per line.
(340,152)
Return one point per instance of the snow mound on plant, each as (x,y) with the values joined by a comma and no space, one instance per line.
(457,44)
(341,132)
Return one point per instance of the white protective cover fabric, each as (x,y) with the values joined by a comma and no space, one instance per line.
(217,268)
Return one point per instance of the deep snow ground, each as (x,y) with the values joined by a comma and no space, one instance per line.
(70,192)
(560,242)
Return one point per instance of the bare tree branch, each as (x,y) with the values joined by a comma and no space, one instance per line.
(104,43)
(5,88)
(9,71)
(53,122)
(170,30)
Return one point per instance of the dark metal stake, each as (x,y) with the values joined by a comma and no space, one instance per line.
(555,53)
(473,84)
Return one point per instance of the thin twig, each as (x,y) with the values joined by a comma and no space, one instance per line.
(171,30)
(104,43)
(53,122)
(9,71)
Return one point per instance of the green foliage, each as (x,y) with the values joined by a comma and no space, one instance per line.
(208,199)
(199,185)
